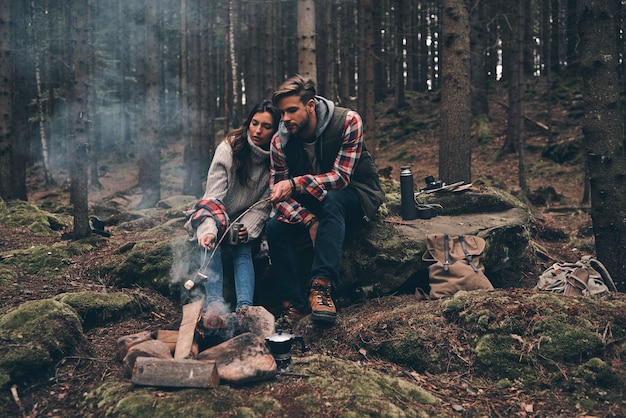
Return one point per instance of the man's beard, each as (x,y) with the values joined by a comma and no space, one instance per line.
(299,128)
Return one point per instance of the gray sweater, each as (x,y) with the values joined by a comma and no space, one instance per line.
(224,186)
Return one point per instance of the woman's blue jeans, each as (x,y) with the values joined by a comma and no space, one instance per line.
(338,209)
(243,271)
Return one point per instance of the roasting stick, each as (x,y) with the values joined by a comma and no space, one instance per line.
(190,283)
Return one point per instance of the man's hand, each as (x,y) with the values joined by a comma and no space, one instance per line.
(208,241)
(281,191)
(313,232)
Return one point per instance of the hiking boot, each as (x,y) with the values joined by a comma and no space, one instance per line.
(322,306)
(290,313)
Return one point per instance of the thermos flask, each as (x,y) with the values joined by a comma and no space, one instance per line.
(407,195)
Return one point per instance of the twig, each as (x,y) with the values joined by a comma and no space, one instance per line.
(17,400)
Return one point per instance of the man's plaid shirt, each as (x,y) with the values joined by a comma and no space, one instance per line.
(316,185)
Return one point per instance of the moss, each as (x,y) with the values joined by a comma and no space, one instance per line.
(501,355)
(504,383)
(410,349)
(147,266)
(48,261)
(96,308)
(20,213)
(357,391)
(122,399)
(567,338)
(8,274)
(597,372)
(264,406)
(38,334)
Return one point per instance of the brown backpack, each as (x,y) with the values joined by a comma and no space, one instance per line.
(455,265)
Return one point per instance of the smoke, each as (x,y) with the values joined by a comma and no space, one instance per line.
(184,273)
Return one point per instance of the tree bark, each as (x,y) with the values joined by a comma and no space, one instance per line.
(79,118)
(149,162)
(455,112)
(307,63)
(366,65)
(603,127)
(478,49)
(7,138)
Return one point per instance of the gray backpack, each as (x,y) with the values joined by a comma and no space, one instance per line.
(586,277)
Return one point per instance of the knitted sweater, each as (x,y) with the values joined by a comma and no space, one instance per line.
(224,186)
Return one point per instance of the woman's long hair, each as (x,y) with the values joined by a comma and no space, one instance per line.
(238,140)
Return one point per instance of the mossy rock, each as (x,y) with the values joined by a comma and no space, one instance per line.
(97,308)
(48,260)
(148,264)
(36,335)
(353,391)
(8,274)
(40,222)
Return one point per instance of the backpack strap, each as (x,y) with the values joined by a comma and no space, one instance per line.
(446,253)
(599,267)
(468,256)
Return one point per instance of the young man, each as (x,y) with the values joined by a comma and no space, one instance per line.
(323,179)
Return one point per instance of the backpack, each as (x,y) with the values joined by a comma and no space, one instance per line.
(455,265)
(586,277)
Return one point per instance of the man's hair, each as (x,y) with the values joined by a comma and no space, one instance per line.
(296,85)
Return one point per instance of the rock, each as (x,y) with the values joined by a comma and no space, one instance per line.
(387,256)
(242,359)
(97,308)
(150,348)
(125,343)
(257,320)
(35,336)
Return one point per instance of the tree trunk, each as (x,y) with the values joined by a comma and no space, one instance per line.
(478,49)
(48,180)
(400,96)
(515,125)
(603,127)
(366,65)
(7,139)
(307,64)
(81,82)
(455,113)
(149,163)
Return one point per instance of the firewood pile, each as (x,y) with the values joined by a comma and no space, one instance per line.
(201,352)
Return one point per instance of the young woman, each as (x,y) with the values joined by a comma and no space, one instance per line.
(236,182)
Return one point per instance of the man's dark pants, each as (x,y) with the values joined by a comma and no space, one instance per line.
(338,210)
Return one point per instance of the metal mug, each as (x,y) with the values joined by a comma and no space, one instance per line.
(233,233)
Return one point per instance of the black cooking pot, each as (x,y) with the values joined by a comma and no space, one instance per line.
(280,345)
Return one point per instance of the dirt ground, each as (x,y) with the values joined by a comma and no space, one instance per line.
(557,230)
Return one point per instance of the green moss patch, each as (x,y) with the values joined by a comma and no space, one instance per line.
(36,335)
(96,308)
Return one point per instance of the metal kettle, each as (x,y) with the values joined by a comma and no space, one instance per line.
(280,344)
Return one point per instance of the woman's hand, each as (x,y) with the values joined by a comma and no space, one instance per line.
(208,241)
(243,234)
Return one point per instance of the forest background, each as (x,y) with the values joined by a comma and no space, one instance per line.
(87,81)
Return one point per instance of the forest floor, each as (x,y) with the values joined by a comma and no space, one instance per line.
(559,230)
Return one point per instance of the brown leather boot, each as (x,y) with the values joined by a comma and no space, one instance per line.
(290,313)
(322,306)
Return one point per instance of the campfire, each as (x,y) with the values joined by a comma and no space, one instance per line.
(208,347)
